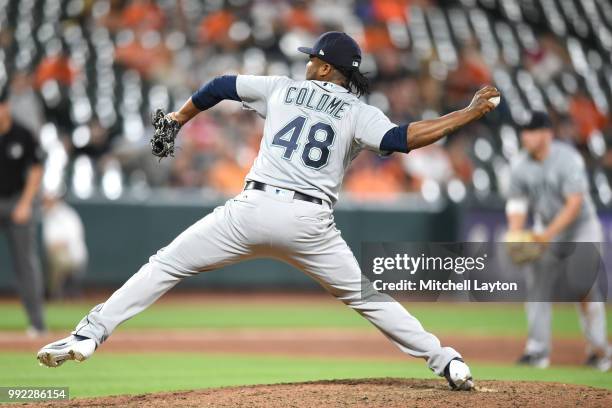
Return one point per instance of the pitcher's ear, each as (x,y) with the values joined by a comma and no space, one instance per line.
(325,69)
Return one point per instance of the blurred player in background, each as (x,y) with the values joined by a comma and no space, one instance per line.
(21,173)
(549,178)
(65,248)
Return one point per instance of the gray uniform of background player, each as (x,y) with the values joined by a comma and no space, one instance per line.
(546,185)
(312,132)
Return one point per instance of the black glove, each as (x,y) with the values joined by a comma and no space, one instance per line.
(165,130)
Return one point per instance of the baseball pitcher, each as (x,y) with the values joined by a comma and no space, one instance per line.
(549,178)
(313,129)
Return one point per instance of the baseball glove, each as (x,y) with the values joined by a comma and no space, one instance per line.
(522,247)
(165,131)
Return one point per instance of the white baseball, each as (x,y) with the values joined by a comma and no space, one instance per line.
(495,100)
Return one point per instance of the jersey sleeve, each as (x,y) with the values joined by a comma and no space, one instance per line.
(517,187)
(574,177)
(371,125)
(255,91)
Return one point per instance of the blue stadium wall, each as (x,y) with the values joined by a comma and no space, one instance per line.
(121,235)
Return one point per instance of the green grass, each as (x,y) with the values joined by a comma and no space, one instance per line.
(470,319)
(113,373)
(109,373)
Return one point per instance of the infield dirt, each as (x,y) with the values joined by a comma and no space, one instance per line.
(339,343)
(384,392)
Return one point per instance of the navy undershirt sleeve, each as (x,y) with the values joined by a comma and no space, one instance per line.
(220,88)
(395,140)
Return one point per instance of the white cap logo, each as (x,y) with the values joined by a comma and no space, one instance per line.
(355,63)
(15,151)
(321,52)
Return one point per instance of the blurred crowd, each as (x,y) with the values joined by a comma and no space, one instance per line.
(84,76)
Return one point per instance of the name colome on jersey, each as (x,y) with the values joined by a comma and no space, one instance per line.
(309,98)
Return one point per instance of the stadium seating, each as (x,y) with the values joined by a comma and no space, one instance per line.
(101,67)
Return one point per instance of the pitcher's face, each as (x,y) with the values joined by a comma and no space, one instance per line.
(317,69)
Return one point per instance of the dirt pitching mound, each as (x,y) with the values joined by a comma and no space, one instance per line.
(381,392)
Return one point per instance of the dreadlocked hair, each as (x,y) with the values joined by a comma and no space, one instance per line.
(356,82)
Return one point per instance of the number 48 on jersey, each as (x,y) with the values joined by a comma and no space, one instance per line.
(315,153)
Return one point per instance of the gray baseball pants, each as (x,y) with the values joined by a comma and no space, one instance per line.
(26,263)
(540,281)
(270,224)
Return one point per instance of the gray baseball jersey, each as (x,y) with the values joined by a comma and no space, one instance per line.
(546,185)
(312,132)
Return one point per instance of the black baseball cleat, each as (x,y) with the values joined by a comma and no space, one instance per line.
(534,360)
(458,375)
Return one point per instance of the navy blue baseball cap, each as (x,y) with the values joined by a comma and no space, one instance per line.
(337,49)
(539,120)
